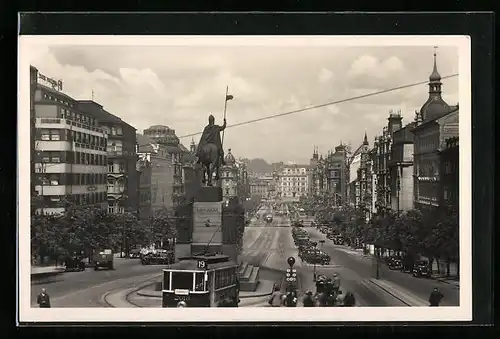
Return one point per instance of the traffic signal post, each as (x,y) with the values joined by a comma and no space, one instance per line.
(291,275)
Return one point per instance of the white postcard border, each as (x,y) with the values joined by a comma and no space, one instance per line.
(384,314)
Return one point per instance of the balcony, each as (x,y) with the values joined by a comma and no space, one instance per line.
(67,123)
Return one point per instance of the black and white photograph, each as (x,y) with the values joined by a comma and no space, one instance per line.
(255,172)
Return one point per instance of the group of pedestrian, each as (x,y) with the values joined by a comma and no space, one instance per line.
(279,299)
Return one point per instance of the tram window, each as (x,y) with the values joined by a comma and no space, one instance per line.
(182,280)
(200,280)
(166,280)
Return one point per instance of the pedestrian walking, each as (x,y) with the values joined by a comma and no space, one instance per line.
(276,299)
(308,299)
(349,300)
(43,299)
(435,297)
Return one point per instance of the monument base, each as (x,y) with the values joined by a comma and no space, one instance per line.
(231,251)
(182,250)
(208,194)
(200,248)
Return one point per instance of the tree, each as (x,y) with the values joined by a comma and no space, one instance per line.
(410,230)
(162,227)
(44,235)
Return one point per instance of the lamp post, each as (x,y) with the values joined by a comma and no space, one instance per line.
(377,255)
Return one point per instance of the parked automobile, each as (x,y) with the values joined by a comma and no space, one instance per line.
(74,264)
(395,263)
(135,253)
(269,218)
(103,259)
(159,257)
(421,269)
(316,257)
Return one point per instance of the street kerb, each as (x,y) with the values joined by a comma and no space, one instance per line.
(399,293)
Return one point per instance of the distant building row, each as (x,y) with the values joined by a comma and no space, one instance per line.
(412,166)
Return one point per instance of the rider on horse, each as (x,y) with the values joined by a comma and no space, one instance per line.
(211,135)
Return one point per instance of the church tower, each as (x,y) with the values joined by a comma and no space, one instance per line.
(229,177)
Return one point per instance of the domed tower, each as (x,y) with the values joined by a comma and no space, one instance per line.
(229,177)
(162,135)
(435,107)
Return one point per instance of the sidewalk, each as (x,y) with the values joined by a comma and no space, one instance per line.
(447,280)
(399,293)
(35,270)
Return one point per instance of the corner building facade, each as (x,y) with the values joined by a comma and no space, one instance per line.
(70,153)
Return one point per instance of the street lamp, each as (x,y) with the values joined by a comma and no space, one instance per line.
(377,256)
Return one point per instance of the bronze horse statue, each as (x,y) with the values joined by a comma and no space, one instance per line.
(210,161)
(210,153)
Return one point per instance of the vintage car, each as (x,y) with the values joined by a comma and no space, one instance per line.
(421,269)
(158,257)
(135,253)
(395,263)
(74,264)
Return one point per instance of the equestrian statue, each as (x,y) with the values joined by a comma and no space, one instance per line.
(210,153)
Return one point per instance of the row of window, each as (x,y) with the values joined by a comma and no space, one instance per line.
(54,201)
(296,189)
(61,134)
(57,98)
(295,171)
(76,158)
(57,179)
(293,179)
(115,207)
(293,184)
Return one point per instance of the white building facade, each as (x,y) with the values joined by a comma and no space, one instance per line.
(293,182)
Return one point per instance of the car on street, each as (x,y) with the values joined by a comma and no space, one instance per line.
(158,257)
(395,263)
(74,264)
(269,218)
(103,259)
(421,269)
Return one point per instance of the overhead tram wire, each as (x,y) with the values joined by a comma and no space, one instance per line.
(327,104)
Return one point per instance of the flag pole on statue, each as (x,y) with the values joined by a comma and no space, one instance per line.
(228,97)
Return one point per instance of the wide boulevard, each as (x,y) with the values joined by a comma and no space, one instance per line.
(268,245)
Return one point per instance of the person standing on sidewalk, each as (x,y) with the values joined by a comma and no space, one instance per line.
(308,300)
(276,299)
(43,299)
(435,297)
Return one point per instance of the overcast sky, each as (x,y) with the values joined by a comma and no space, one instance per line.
(179,86)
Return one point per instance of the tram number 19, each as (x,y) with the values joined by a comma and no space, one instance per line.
(202,264)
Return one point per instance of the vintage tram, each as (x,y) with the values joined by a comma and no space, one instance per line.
(201,281)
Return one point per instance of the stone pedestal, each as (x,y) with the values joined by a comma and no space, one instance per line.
(208,194)
(182,250)
(230,250)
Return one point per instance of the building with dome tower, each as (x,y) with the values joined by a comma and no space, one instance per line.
(435,123)
(229,177)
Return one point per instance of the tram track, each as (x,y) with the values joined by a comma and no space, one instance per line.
(123,295)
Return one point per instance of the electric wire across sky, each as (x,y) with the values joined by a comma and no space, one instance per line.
(326,104)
